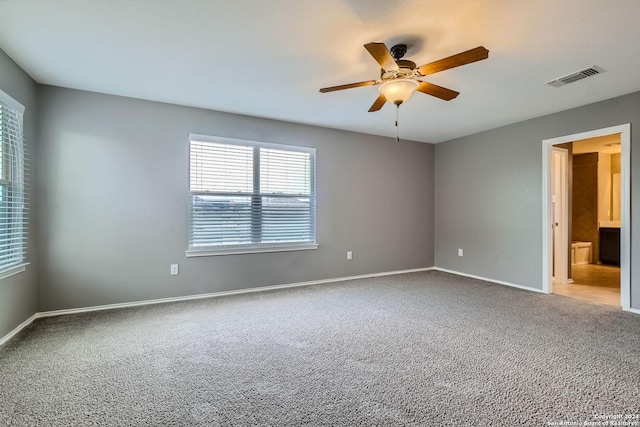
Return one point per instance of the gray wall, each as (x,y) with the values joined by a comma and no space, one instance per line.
(488,195)
(18,292)
(113,200)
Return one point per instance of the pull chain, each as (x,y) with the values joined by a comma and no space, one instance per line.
(397,120)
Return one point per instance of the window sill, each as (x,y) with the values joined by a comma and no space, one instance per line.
(238,251)
(8,272)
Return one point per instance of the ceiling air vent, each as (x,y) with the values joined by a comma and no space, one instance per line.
(574,77)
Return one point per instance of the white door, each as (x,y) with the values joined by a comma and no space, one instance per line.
(560,202)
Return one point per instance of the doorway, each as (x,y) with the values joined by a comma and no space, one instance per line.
(558,247)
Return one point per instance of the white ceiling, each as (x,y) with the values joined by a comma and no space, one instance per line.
(269,58)
(603,144)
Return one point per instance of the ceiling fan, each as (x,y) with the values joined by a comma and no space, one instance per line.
(399,77)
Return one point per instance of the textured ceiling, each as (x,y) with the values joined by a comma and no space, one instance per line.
(604,144)
(269,58)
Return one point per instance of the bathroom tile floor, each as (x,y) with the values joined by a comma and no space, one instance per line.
(592,282)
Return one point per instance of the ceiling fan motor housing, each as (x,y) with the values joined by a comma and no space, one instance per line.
(405,71)
(405,68)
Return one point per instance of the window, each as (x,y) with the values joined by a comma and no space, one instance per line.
(250,196)
(13,212)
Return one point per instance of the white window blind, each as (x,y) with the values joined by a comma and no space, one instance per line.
(249,195)
(13,172)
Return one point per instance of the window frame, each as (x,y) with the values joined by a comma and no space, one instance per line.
(8,181)
(252,247)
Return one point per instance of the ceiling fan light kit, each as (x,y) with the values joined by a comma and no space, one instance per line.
(398,91)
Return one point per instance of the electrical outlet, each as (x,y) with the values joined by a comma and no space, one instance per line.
(349,255)
(494,258)
(174,269)
(460,253)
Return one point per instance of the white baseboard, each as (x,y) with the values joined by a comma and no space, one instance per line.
(633,310)
(219,294)
(18,328)
(500,282)
(199,296)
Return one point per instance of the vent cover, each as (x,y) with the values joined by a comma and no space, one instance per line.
(574,77)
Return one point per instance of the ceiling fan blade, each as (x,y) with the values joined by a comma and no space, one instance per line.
(349,86)
(437,91)
(382,55)
(463,58)
(377,105)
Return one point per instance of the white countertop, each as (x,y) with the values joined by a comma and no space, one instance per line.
(609,224)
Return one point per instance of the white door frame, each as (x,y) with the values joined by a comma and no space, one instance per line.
(625,209)
(561,238)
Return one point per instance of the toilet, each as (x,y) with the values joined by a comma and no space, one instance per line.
(581,253)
